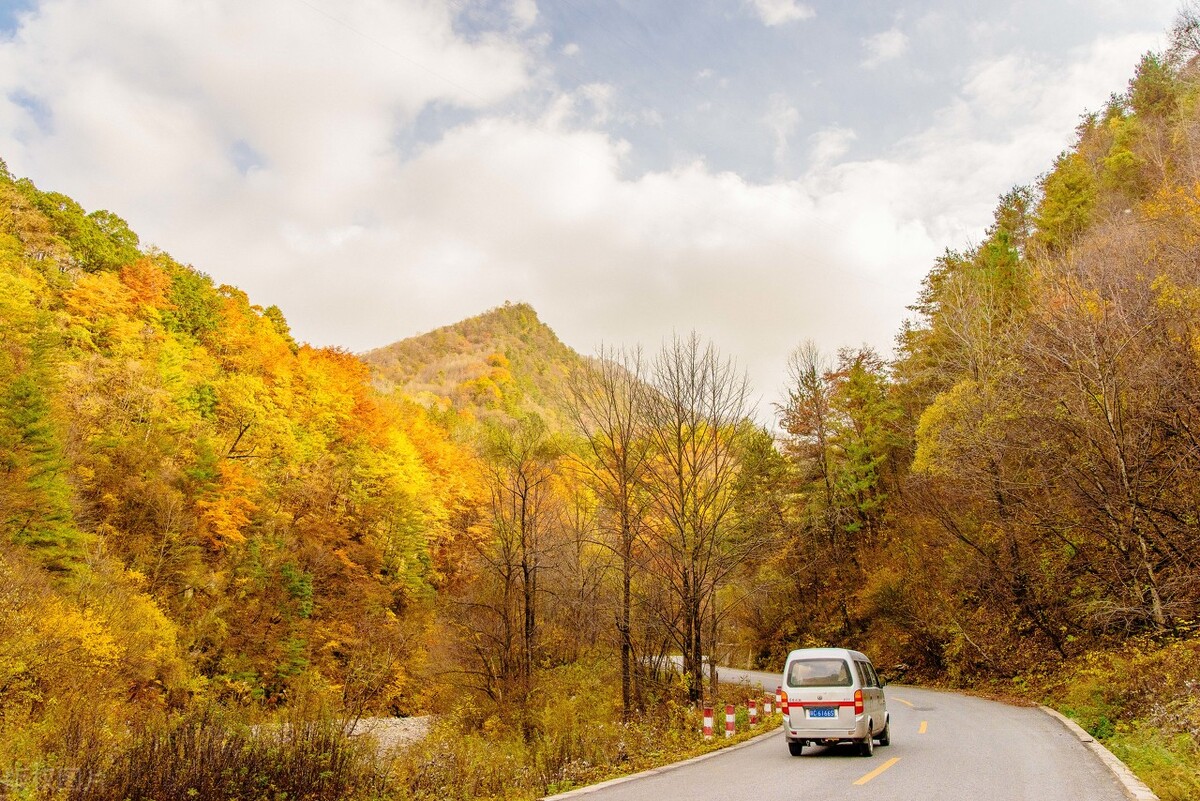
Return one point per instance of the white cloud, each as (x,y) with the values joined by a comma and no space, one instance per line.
(282,176)
(883,47)
(781,120)
(831,144)
(610,258)
(524,13)
(778,12)
(1000,87)
(570,49)
(169,89)
(600,96)
(1121,10)
(594,105)
(1012,115)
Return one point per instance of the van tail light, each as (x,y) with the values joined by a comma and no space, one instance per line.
(858,702)
(783,702)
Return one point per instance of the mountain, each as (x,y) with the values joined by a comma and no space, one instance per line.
(503,361)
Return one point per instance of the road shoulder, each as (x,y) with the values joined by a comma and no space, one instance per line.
(1134,787)
(592,788)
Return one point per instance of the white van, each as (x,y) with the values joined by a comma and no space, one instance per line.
(833,695)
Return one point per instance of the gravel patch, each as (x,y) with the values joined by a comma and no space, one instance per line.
(391,734)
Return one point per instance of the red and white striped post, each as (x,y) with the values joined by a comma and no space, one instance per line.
(767,707)
(730,721)
(752,709)
(708,720)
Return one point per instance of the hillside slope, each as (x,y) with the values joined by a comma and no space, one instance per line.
(499,362)
(1013,503)
(196,511)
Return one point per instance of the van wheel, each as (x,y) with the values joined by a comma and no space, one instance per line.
(796,748)
(866,746)
(885,737)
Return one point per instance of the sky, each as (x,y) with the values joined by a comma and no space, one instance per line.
(762,172)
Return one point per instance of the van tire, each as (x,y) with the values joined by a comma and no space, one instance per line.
(866,746)
(885,736)
(795,749)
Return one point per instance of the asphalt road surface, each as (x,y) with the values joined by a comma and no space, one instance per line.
(945,747)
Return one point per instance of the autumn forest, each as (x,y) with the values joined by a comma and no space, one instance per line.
(221,544)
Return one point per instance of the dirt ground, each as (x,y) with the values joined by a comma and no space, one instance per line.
(392,733)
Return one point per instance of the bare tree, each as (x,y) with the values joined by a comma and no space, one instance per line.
(499,616)
(605,400)
(579,568)
(1113,395)
(1185,33)
(696,416)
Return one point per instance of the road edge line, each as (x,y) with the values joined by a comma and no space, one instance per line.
(1135,789)
(591,788)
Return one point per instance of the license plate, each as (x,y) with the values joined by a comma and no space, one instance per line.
(822,711)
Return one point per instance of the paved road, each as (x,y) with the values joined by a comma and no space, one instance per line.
(754,678)
(945,747)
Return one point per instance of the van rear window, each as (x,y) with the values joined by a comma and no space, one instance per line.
(819,673)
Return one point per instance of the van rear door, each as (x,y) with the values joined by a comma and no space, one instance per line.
(820,694)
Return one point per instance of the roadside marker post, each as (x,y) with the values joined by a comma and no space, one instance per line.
(708,722)
(767,708)
(752,709)
(730,720)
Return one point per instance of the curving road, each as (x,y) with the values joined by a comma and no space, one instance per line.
(945,747)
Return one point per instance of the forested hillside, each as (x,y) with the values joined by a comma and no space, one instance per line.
(197,510)
(209,525)
(1014,502)
(1024,481)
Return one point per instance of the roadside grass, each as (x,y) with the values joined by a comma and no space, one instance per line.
(1170,766)
(210,755)
(205,759)
(567,734)
(570,735)
(1142,701)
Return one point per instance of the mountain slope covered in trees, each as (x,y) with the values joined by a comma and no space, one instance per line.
(196,509)
(1014,502)
(498,362)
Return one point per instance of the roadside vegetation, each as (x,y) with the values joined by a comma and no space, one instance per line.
(219,544)
(1142,700)
(575,736)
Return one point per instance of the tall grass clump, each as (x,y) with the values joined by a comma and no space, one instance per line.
(206,758)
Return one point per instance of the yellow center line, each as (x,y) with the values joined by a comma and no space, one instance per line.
(924,727)
(878,770)
(908,704)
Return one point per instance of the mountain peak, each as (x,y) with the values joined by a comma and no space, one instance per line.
(505,359)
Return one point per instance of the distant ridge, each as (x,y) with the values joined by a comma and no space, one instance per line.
(504,361)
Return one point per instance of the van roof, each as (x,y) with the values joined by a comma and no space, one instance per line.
(807,653)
